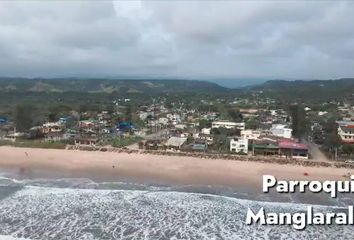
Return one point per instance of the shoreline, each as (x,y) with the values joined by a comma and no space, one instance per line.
(143,167)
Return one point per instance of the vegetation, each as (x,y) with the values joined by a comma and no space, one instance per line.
(34,144)
(125,141)
(307,91)
(299,122)
(24,117)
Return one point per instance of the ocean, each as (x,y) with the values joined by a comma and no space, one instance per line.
(80,208)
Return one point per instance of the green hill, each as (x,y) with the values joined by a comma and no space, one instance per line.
(107,85)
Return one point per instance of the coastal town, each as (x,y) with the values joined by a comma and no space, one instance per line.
(221,126)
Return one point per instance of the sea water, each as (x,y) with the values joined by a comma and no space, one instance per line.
(83,209)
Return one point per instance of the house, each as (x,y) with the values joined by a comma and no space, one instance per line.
(90,141)
(288,148)
(292,149)
(14,135)
(250,134)
(265,147)
(88,126)
(280,130)
(181,126)
(153,145)
(206,131)
(125,127)
(239,145)
(143,115)
(175,143)
(249,113)
(163,121)
(54,136)
(200,146)
(174,118)
(346,131)
(228,125)
(53,127)
(208,138)
(248,110)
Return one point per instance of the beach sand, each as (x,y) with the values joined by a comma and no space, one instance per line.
(156,168)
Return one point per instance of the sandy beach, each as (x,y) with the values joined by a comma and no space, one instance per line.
(156,168)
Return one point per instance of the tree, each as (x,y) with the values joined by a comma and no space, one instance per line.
(253,124)
(57,111)
(221,143)
(318,135)
(234,114)
(203,123)
(299,123)
(24,117)
(348,149)
(226,132)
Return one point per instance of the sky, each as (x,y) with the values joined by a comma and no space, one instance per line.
(178,39)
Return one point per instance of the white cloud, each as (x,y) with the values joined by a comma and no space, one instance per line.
(221,39)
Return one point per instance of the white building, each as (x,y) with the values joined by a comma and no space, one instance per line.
(228,125)
(321,113)
(281,130)
(346,131)
(250,134)
(206,130)
(174,118)
(163,121)
(180,126)
(239,145)
(53,127)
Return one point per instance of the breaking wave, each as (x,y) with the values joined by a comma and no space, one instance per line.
(35,209)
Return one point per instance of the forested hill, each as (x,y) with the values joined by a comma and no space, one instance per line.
(316,90)
(107,86)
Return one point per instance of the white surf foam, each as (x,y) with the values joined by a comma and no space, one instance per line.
(64,213)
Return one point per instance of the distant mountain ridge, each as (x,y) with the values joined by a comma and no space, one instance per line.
(313,89)
(107,85)
(318,90)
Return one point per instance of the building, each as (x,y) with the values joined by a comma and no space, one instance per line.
(199,146)
(228,125)
(346,131)
(124,127)
(86,140)
(250,134)
(174,118)
(292,149)
(208,138)
(88,126)
(265,147)
(239,145)
(163,121)
(54,136)
(280,130)
(53,127)
(175,142)
(284,148)
(206,131)
(153,145)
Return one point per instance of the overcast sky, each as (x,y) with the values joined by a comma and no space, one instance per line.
(182,39)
